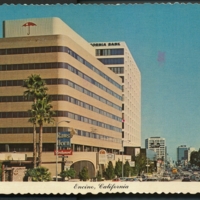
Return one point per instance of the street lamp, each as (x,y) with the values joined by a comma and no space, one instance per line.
(123,155)
(67,121)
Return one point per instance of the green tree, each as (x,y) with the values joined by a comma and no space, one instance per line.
(69,173)
(41,113)
(195,158)
(110,171)
(98,176)
(127,169)
(35,89)
(84,174)
(140,163)
(39,174)
(118,168)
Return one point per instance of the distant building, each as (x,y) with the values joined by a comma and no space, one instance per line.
(188,152)
(117,57)
(158,145)
(181,152)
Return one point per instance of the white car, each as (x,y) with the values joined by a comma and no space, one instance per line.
(166,178)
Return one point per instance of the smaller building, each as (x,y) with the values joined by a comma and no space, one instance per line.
(181,153)
(158,145)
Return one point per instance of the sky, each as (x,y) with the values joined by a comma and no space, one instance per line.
(165,43)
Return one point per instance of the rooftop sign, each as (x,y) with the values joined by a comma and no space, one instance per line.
(105,44)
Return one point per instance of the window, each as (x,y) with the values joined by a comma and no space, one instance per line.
(111,61)
(105,52)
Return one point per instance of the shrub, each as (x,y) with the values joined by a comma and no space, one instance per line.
(39,174)
(84,175)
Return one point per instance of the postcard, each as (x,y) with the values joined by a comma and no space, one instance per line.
(99,99)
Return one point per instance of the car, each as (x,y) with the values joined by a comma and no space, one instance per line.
(122,179)
(116,180)
(177,176)
(186,179)
(152,179)
(167,178)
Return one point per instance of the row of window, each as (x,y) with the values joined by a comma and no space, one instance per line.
(63,98)
(50,147)
(25,147)
(90,121)
(107,52)
(85,105)
(62,114)
(98,136)
(57,49)
(111,61)
(117,70)
(91,94)
(29,130)
(91,80)
(65,82)
(58,65)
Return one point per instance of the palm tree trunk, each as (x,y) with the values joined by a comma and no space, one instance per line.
(34,146)
(40,145)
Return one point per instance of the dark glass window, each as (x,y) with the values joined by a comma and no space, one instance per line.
(106,52)
(111,61)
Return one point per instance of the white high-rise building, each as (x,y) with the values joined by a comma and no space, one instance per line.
(158,145)
(117,57)
(188,152)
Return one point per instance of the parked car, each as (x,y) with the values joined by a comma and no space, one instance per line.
(116,180)
(186,179)
(123,178)
(168,178)
(164,179)
(152,179)
(177,176)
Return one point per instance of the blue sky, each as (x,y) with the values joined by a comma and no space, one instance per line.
(164,41)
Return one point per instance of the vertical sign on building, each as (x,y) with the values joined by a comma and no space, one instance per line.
(64,144)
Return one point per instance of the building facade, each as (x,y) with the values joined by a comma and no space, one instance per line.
(117,57)
(158,145)
(83,91)
(181,153)
(188,152)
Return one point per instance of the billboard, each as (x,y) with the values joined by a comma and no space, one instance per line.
(64,140)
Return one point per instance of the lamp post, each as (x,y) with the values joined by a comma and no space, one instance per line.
(123,156)
(147,165)
(67,121)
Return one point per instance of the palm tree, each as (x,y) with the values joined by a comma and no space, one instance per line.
(41,113)
(35,89)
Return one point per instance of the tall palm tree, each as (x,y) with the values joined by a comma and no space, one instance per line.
(41,113)
(35,89)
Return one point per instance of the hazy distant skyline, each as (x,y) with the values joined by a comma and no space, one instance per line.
(164,41)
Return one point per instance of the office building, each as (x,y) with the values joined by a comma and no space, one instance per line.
(181,152)
(117,57)
(158,145)
(83,91)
